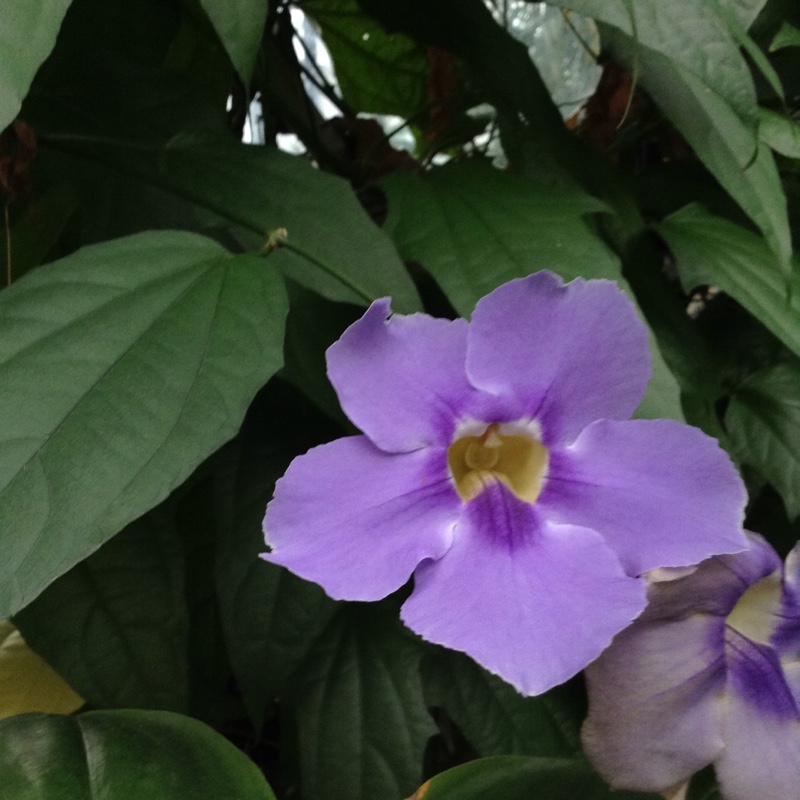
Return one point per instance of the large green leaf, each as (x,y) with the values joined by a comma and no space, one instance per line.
(361,717)
(473,228)
(687,33)
(712,250)
(495,718)
(723,135)
(377,72)
(330,246)
(116,625)
(240,25)
(28,33)
(121,368)
(520,778)
(763,421)
(324,238)
(126,755)
(271,618)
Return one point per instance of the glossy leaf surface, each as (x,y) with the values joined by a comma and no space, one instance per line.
(126,755)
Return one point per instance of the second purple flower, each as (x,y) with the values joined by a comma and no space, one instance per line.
(499,467)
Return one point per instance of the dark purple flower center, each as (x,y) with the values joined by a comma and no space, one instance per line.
(518,460)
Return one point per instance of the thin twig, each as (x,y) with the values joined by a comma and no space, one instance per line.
(8,245)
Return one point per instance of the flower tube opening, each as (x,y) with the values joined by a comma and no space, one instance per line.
(518,460)
(753,616)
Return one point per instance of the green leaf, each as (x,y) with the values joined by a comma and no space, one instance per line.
(361,716)
(745,11)
(378,73)
(270,617)
(520,778)
(712,250)
(689,35)
(723,137)
(787,36)
(126,755)
(116,625)
(763,422)
(749,45)
(331,245)
(473,228)
(494,717)
(240,26)
(28,33)
(780,132)
(250,193)
(122,367)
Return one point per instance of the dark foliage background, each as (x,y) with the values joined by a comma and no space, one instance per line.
(169,295)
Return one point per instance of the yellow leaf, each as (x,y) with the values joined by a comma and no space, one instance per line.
(28,682)
(421,792)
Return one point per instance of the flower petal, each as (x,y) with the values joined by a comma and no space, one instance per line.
(654,703)
(761,726)
(570,354)
(661,493)
(786,638)
(357,520)
(530,601)
(402,380)
(715,586)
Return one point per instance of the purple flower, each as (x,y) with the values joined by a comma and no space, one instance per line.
(709,674)
(495,467)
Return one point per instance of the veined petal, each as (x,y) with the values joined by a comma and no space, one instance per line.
(654,701)
(715,586)
(357,520)
(570,354)
(786,638)
(761,729)
(661,493)
(402,379)
(530,601)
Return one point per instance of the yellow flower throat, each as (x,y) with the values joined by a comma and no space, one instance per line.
(517,460)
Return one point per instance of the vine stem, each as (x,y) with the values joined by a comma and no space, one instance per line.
(8,244)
